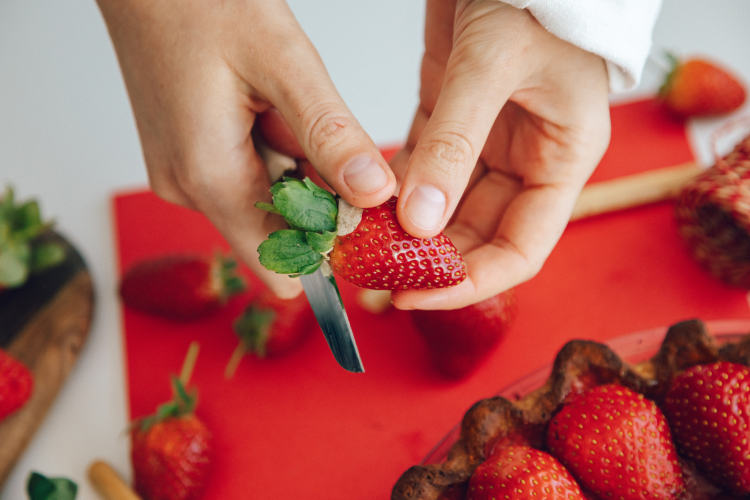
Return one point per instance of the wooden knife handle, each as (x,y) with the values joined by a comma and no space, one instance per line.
(109,484)
(633,190)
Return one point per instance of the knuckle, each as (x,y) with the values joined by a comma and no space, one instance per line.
(452,153)
(329,130)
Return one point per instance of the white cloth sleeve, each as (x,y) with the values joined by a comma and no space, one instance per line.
(617,30)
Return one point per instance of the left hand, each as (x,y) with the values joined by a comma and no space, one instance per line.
(511,124)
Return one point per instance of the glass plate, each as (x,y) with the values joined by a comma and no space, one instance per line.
(633,348)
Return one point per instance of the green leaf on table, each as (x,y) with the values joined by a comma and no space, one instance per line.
(304,205)
(40,487)
(288,252)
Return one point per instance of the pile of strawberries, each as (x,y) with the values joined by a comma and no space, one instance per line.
(612,442)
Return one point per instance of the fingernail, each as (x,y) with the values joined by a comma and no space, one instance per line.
(363,175)
(425,207)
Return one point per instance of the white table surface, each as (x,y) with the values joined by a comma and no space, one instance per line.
(67,137)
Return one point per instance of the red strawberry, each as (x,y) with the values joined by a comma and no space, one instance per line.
(181,287)
(708,408)
(520,472)
(16,384)
(271,326)
(460,339)
(617,444)
(171,451)
(367,247)
(697,87)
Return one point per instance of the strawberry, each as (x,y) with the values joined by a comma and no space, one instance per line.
(460,339)
(617,444)
(16,384)
(181,287)
(171,451)
(520,472)
(697,87)
(21,252)
(271,326)
(708,408)
(366,247)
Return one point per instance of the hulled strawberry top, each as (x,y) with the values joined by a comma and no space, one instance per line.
(366,247)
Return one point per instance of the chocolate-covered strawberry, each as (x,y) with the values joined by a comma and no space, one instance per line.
(367,247)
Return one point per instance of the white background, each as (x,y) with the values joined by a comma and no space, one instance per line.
(67,137)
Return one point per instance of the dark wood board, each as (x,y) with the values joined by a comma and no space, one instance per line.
(43,324)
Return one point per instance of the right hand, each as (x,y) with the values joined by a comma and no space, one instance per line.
(198,73)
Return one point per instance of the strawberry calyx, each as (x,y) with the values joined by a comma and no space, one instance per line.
(674,65)
(230,282)
(252,328)
(20,253)
(311,213)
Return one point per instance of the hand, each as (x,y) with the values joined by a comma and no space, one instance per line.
(511,124)
(198,73)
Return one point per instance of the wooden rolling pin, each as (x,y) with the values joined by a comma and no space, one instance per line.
(596,198)
(108,484)
(633,190)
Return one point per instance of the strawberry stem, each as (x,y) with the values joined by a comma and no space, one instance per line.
(234,361)
(189,364)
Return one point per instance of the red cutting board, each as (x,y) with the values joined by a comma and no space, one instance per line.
(301,427)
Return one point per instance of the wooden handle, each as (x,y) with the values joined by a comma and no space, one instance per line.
(633,190)
(108,483)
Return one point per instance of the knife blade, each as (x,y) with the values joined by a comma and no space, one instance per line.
(325,300)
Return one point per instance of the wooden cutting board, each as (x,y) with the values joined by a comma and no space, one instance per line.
(44,324)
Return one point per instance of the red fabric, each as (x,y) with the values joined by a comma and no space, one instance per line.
(301,427)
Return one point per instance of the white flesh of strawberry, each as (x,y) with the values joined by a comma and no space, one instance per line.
(348,218)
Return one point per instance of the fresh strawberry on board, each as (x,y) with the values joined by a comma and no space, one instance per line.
(617,444)
(16,384)
(698,87)
(366,247)
(459,340)
(271,326)
(171,451)
(520,472)
(708,409)
(181,287)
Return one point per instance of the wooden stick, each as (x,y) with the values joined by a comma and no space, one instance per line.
(108,484)
(633,190)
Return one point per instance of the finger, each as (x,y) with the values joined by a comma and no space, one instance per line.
(277,134)
(477,84)
(299,86)
(532,224)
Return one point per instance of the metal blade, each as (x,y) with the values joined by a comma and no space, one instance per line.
(325,300)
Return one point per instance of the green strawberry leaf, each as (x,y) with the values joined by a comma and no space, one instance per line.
(40,487)
(252,329)
(288,252)
(14,265)
(321,242)
(46,255)
(304,205)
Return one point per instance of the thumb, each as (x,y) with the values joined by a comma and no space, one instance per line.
(331,138)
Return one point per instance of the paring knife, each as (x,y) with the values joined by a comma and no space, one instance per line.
(325,300)
(320,287)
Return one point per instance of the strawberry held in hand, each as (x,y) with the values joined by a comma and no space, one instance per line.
(698,87)
(617,444)
(171,451)
(16,384)
(181,287)
(271,326)
(708,408)
(520,472)
(366,247)
(460,339)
